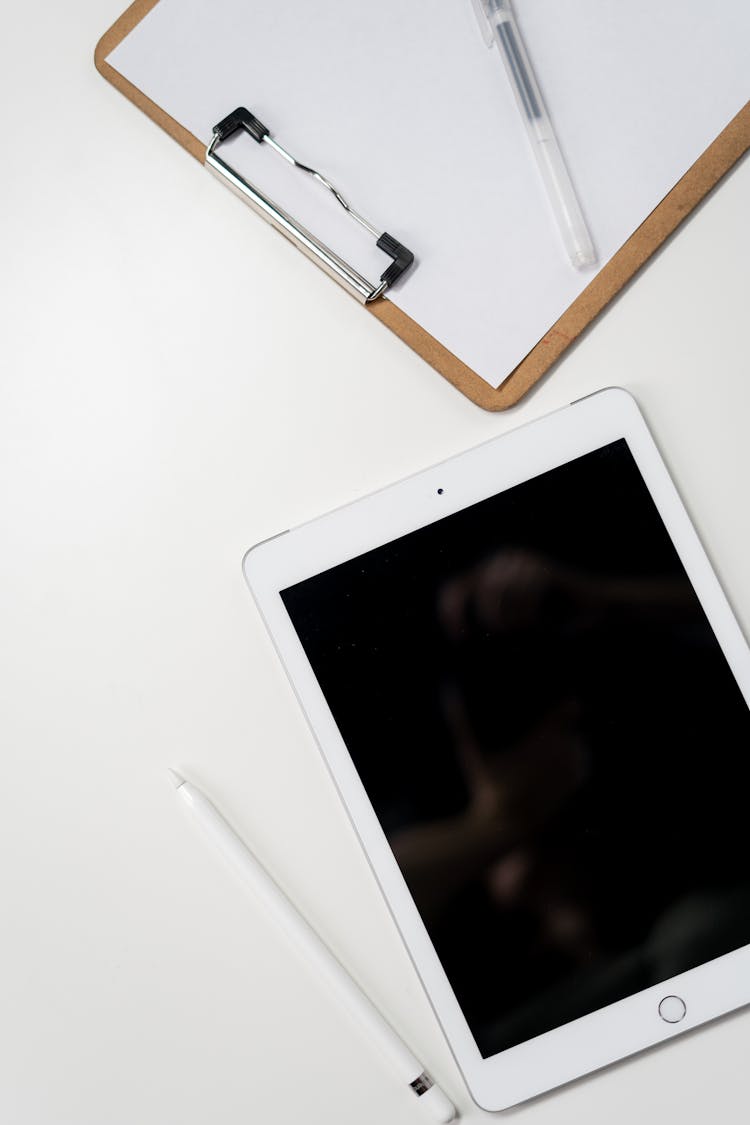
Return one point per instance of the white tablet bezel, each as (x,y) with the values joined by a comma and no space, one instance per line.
(631,1024)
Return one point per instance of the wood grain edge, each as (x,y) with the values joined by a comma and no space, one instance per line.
(112,38)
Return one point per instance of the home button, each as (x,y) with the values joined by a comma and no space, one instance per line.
(672,1009)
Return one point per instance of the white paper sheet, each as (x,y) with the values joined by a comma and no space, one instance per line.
(402,105)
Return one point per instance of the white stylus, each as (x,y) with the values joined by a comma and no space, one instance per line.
(277,906)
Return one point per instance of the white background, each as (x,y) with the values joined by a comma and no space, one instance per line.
(178,382)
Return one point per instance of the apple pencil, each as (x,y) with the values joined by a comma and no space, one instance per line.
(326,967)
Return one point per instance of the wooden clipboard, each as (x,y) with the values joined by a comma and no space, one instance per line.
(697,182)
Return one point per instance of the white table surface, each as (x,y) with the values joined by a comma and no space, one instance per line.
(178,382)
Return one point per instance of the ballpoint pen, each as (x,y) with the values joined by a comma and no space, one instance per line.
(497,22)
(327,968)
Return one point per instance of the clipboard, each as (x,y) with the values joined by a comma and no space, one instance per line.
(731,143)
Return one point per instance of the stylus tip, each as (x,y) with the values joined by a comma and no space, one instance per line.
(177,780)
(439,1107)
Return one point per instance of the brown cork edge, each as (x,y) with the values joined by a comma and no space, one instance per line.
(697,182)
(119,30)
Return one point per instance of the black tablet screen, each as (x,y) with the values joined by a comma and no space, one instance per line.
(552,740)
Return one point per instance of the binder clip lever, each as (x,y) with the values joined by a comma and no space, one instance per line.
(365,291)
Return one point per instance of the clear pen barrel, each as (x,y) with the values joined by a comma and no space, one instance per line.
(552,166)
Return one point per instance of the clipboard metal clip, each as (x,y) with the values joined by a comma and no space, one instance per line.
(353,281)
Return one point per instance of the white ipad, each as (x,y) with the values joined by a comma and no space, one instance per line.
(532,696)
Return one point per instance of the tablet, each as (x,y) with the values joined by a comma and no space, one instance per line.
(532,696)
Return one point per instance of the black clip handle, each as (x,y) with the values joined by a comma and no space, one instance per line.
(240,118)
(402,258)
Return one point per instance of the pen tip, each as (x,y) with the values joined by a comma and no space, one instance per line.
(177,780)
(439,1105)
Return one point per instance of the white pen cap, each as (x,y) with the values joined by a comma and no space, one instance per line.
(480,9)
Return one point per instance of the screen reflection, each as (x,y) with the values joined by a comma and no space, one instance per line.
(552,740)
